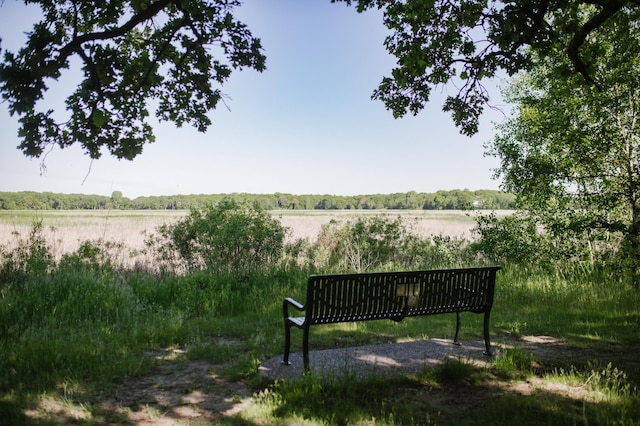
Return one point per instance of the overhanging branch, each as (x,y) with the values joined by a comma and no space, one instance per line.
(573,50)
(136,19)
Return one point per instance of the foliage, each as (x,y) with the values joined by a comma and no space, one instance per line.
(172,55)
(79,331)
(30,258)
(175,55)
(523,239)
(98,256)
(443,251)
(440,200)
(571,153)
(512,239)
(222,238)
(465,43)
(365,243)
(381,243)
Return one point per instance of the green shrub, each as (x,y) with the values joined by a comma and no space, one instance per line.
(221,238)
(522,239)
(443,251)
(383,243)
(368,242)
(95,255)
(31,257)
(509,239)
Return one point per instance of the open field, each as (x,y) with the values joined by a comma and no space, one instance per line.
(453,223)
(85,344)
(65,230)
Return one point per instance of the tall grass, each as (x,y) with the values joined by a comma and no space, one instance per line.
(84,321)
(586,306)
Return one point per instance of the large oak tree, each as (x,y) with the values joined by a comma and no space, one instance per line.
(465,43)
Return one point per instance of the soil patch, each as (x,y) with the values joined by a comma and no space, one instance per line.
(178,391)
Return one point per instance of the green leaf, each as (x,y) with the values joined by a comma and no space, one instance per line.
(99,118)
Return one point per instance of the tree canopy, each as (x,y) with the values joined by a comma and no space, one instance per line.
(133,55)
(570,152)
(173,56)
(464,43)
(440,200)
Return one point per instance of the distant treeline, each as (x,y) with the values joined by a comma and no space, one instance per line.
(440,200)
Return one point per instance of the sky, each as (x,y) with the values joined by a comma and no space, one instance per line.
(307,125)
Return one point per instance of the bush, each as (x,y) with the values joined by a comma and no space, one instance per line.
(443,251)
(222,238)
(382,243)
(30,258)
(374,242)
(522,239)
(510,239)
(95,255)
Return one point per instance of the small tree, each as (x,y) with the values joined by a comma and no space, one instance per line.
(223,238)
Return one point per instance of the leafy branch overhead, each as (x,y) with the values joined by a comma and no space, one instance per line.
(172,55)
(465,42)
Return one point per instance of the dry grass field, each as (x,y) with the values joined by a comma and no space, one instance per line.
(65,230)
(453,223)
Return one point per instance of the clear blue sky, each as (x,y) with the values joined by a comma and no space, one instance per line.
(307,125)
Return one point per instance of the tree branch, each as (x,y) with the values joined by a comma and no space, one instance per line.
(159,57)
(573,50)
(140,17)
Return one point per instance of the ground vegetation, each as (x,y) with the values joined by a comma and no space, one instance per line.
(87,340)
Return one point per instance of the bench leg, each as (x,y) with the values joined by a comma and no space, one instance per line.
(455,338)
(305,347)
(287,342)
(487,343)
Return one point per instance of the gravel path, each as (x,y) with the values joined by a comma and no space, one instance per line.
(410,357)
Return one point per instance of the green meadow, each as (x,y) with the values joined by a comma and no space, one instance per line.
(89,337)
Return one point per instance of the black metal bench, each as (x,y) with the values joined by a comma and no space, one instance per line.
(391,295)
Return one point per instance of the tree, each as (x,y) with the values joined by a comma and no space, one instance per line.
(466,42)
(571,153)
(172,55)
(116,199)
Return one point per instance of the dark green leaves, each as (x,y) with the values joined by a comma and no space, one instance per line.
(463,43)
(133,55)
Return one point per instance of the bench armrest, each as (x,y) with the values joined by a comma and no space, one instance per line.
(291,302)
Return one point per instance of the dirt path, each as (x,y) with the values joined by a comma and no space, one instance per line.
(179,392)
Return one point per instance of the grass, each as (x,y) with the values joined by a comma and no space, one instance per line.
(457,392)
(87,329)
(82,335)
(584,308)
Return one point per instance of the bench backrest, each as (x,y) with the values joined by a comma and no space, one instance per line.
(395,295)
